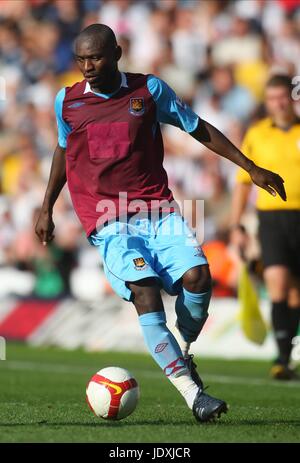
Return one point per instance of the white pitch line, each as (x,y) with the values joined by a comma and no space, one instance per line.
(67,369)
(252,381)
(234,380)
(43,367)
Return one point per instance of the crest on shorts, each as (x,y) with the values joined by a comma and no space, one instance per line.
(139,263)
(199,251)
(137,106)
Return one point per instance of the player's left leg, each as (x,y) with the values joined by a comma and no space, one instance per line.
(192,309)
(192,312)
(183,268)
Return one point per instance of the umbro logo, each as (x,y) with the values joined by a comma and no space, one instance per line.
(77,104)
(160,347)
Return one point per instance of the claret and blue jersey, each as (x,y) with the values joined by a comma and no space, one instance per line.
(113,142)
(169,108)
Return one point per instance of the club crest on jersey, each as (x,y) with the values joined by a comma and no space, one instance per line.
(139,263)
(137,106)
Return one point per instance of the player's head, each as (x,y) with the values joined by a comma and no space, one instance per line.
(97,54)
(278,96)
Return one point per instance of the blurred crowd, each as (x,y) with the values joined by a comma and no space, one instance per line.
(216,54)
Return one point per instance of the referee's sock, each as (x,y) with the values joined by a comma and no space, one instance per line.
(281,326)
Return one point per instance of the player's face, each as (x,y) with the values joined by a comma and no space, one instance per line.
(278,101)
(97,63)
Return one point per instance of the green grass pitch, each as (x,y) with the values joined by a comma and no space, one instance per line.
(42,399)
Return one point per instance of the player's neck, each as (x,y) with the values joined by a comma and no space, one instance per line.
(111,87)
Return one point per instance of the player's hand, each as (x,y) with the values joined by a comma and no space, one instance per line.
(268,180)
(44,227)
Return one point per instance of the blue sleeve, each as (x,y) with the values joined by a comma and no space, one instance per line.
(170,108)
(63,127)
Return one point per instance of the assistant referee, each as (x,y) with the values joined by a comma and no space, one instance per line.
(274,143)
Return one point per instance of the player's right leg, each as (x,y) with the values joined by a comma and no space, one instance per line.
(167,353)
(192,310)
(184,271)
(160,342)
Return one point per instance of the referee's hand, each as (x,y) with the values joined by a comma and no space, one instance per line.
(268,180)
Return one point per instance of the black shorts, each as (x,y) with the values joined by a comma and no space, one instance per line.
(279,235)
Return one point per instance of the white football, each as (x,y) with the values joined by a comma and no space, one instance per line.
(112,393)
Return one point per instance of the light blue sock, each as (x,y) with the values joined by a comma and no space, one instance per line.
(192,313)
(161,343)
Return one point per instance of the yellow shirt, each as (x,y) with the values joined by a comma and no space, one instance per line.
(274,149)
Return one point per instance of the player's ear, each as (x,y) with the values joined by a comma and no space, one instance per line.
(118,52)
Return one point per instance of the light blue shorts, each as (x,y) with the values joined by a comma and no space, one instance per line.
(164,248)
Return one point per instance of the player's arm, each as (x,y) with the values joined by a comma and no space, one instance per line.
(171,110)
(45,226)
(213,139)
